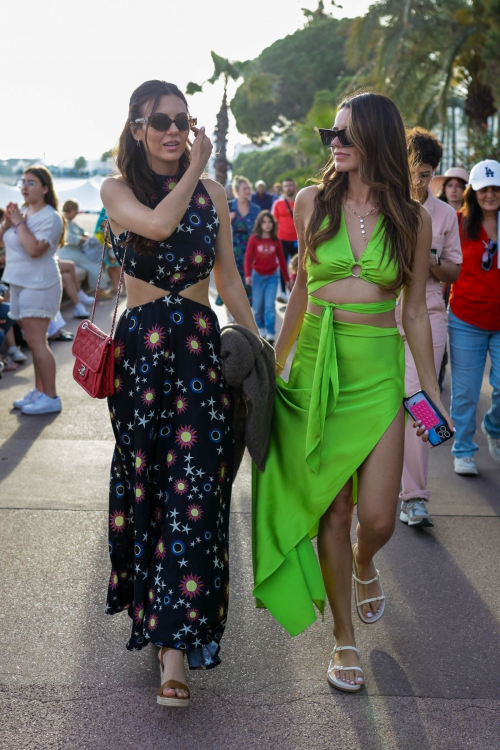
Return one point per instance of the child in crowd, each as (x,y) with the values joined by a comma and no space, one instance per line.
(263,259)
(293,268)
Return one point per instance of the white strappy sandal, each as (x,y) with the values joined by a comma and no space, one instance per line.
(340,684)
(359,604)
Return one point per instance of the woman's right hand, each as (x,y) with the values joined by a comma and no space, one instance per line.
(201,149)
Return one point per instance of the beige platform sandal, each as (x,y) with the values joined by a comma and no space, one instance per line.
(332,668)
(164,700)
(361,602)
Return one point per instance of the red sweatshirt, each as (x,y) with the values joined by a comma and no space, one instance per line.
(265,256)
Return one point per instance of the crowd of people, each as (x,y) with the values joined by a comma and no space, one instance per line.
(384,271)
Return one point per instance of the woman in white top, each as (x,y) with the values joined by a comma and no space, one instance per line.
(31,237)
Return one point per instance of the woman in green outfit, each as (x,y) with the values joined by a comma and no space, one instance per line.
(338,427)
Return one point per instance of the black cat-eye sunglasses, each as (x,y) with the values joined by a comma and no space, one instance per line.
(328,136)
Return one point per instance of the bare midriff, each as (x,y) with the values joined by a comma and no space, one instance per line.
(353,290)
(140,292)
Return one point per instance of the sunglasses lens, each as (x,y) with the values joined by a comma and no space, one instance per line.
(182,122)
(343,138)
(160,122)
(326,137)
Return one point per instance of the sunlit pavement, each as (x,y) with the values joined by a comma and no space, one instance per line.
(432,663)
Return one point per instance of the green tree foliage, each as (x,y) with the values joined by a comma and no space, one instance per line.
(420,52)
(265,164)
(301,154)
(106,156)
(80,163)
(280,84)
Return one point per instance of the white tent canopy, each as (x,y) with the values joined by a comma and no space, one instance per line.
(86,194)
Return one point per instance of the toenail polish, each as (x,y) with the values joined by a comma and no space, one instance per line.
(369,614)
(360,679)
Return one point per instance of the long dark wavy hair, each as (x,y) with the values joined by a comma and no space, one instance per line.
(133,162)
(376,129)
(472,215)
(50,197)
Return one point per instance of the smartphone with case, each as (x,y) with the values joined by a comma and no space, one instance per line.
(421,408)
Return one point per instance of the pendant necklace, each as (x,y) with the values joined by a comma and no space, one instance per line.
(362,218)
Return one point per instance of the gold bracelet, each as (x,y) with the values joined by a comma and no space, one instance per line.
(280,365)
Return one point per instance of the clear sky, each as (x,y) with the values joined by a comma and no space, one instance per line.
(68,68)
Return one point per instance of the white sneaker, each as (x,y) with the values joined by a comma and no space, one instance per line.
(28,399)
(80,311)
(85,299)
(493,444)
(16,355)
(415,513)
(465,465)
(43,404)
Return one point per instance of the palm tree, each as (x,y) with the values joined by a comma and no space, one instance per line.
(227,70)
(422,52)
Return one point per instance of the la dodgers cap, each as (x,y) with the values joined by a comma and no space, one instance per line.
(484,174)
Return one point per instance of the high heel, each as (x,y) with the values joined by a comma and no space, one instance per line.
(164,700)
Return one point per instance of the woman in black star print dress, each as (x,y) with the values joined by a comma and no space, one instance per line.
(171,411)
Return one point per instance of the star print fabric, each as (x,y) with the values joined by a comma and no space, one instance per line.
(170,489)
(186,257)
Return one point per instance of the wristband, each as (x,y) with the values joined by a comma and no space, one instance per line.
(23,221)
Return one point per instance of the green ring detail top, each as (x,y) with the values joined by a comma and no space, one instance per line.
(346,386)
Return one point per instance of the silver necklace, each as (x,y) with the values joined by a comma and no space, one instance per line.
(362,218)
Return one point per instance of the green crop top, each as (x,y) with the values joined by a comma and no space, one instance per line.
(336,260)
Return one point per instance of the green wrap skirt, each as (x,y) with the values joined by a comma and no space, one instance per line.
(346,386)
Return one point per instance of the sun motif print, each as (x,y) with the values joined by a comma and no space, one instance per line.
(172,418)
(182,260)
(171,479)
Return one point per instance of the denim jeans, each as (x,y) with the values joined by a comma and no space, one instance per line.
(469,346)
(4,315)
(263,301)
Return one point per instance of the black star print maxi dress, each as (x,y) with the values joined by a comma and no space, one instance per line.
(172,418)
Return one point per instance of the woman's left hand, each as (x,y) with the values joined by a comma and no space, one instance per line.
(423,433)
(14,213)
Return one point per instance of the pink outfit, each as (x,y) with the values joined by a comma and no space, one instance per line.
(446,242)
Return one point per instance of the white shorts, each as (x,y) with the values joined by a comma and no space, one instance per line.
(34,303)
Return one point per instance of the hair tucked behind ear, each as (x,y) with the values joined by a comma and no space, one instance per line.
(376,129)
(132,161)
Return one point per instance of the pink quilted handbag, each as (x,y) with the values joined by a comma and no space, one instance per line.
(93,349)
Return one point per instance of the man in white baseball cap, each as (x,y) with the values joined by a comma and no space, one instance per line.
(484,174)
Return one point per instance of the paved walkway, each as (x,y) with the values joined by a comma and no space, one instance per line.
(432,664)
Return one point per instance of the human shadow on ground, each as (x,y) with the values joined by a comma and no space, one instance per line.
(10,453)
(443,631)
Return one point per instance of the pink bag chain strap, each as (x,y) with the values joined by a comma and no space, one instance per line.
(98,285)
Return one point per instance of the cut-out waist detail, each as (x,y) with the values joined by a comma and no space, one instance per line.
(365,308)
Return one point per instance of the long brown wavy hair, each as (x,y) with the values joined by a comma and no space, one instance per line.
(50,197)
(134,163)
(376,129)
(472,215)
